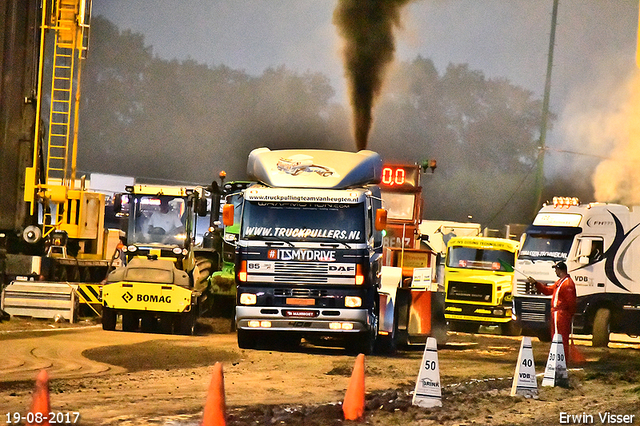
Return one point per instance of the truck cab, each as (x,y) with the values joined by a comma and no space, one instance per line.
(478,281)
(309,248)
(599,243)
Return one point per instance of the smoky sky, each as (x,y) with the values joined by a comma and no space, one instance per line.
(367,28)
(595,42)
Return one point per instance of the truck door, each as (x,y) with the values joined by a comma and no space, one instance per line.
(588,272)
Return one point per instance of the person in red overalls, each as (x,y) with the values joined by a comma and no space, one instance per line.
(563,303)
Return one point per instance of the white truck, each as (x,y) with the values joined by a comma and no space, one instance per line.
(599,242)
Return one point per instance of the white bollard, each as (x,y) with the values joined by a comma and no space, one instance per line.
(428,392)
(555,373)
(524,379)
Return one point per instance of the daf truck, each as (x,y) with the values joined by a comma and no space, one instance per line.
(478,279)
(599,243)
(309,248)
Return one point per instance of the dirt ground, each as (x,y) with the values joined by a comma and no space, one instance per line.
(117,378)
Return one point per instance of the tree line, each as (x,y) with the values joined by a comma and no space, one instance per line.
(185,121)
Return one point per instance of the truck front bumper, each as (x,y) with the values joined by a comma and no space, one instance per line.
(485,314)
(322,321)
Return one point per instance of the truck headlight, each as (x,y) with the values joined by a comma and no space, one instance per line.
(352,302)
(248,299)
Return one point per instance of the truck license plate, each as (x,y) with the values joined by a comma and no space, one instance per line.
(303,314)
(300,302)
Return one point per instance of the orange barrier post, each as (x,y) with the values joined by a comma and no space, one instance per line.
(214,409)
(40,405)
(575,356)
(353,405)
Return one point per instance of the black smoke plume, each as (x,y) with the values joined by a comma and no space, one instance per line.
(367,29)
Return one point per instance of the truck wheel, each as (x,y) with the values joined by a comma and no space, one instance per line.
(512,328)
(544,335)
(601,328)
(362,343)
(439,332)
(129,321)
(387,344)
(186,324)
(464,327)
(247,339)
(109,318)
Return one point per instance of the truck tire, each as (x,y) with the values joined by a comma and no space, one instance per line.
(362,343)
(247,339)
(544,335)
(129,321)
(109,318)
(388,344)
(464,327)
(439,332)
(601,328)
(511,328)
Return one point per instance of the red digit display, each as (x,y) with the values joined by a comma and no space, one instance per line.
(399,176)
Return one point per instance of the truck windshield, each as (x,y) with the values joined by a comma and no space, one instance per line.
(547,245)
(344,223)
(157,220)
(473,258)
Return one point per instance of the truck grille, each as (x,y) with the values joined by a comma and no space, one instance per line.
(533,311)
(534,306)
(301,268)
(299,292)
(533,317)
(473,292)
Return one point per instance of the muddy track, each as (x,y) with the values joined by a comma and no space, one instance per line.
(133,378)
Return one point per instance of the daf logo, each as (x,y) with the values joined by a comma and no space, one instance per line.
(334,268)
(127,297)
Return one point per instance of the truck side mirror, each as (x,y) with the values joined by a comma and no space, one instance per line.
(201,206)
(381,219)
(227,214)
(117,203)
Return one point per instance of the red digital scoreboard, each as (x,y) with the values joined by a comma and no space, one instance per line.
(400,177)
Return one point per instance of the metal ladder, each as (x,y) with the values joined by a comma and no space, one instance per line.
(71,38)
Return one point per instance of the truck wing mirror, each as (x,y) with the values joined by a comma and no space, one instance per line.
(201,206)
(381,219)
(117,203)
(227,214)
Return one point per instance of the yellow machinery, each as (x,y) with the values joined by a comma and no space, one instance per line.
(54,230)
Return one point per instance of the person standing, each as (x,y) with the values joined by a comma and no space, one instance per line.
(563,302)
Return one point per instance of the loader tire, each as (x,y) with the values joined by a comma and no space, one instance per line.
(201,273)
(186,324)
(109,318)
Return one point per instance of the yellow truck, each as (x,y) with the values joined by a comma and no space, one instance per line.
(478,280)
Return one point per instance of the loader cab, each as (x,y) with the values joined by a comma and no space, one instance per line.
(162,224)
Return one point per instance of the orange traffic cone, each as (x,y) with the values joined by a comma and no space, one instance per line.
(214,409)
(575,356)
(353,405)
(40,404)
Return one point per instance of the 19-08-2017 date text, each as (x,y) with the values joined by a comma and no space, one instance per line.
(51,417)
